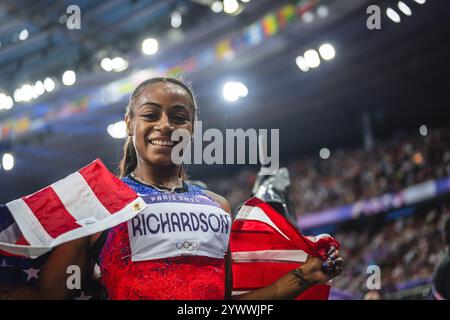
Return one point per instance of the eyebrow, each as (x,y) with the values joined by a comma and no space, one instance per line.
(150,104)
(177,106)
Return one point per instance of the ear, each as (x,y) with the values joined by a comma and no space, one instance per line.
(129,124)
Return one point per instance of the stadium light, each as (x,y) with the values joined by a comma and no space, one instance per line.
(106,64)
(423,130)
(150,46)
(301,63)
(234,90)
(6,102)
(119,64)
(27,92)
(7,161)
(17,95)
(217,6)
(176,19)
(230,6)
(69,77)
(324,153)
(3,100)
(38,89)
(393,15)
(312,58)
(117,130)
(116,64)
(49,84)
(420,1)
(403,7)
(327,51)
(24,93)
(23,35)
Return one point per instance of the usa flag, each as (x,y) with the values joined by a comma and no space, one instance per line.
(265,246)
(88,201)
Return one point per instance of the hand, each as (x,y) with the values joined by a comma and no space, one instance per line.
(318,271)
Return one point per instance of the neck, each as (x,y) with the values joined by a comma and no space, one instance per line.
(166,176)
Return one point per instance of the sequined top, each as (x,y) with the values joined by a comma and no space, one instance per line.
(172,278)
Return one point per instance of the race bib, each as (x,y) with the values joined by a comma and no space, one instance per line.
(179,224)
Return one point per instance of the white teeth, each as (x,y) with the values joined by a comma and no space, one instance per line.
(162,143)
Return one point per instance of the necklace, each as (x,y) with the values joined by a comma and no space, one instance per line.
(157,187)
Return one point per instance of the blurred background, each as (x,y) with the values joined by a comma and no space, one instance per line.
(363,114)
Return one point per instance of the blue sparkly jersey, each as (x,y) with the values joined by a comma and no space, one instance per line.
(143,189)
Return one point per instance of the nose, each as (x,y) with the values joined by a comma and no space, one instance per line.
(164,125)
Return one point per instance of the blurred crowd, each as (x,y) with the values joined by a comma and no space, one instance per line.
(351,175)
(407,249)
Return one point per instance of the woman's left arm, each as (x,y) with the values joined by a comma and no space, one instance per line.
(290,285)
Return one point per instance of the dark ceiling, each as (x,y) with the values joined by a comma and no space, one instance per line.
(397,75)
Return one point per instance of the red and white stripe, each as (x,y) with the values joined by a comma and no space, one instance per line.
(265,246)
(86,202)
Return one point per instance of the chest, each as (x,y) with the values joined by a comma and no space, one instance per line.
(178,225)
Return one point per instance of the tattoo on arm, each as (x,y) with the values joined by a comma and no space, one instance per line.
(301,280)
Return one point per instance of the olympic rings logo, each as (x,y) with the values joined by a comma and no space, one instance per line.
(188,245)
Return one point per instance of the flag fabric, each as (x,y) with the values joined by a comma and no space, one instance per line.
(265,246)
(24,271)
(224,50)
(286,14)
(86,202)
(270,25)
(254,34)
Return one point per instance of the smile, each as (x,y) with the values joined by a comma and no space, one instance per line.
(162,143)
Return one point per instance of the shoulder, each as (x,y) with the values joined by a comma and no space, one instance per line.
(220,200)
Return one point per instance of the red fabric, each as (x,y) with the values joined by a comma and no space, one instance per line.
(243,239)
(21,241)
(110,191)
(178,278)
(50,211)
(50,216)
(252,235)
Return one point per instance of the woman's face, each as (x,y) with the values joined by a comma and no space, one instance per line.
(161,108)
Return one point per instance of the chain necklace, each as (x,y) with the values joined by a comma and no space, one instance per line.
(157,187)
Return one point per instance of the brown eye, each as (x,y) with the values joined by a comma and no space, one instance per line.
(150,116)
(180,118)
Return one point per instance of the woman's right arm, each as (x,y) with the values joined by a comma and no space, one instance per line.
(52,282)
